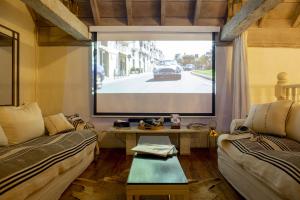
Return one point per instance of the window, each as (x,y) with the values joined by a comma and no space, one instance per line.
(146,75)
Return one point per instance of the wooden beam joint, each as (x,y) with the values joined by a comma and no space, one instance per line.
(163,12)
(296,22)
(129,12)
(96,11)
(250,12)
(261,21)
(197,11)
(60,16)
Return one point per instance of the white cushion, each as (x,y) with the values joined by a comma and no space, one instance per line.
(269,118)
(58,124)
(293,123)
(3,138)
(22,123)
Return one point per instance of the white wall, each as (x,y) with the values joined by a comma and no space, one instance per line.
(265,64)
(16,16)
(63,80)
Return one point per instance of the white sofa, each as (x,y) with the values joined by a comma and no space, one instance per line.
(242,178)
(36,165)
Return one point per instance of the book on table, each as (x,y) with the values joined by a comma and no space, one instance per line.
(155,149)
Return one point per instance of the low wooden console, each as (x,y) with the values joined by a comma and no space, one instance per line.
(183,136)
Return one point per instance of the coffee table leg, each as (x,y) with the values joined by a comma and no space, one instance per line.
(186,196)
(129,197)
(185,144)
(130,143)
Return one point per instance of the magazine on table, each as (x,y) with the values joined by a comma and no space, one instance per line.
(155,149)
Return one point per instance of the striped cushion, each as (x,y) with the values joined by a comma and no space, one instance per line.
(57,124)
(269,118)
(79,123)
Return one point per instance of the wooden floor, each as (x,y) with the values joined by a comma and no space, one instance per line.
(201,164)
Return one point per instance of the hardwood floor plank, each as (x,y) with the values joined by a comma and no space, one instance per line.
(201,164)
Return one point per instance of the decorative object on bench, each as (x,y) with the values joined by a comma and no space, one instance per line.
(175,121)
(267,156)
(121,124)
(151,124)
(212,124)
(196,125)
(213,134)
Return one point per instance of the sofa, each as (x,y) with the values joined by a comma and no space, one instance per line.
(41,156)
(260,157)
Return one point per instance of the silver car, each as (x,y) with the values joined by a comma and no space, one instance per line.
(167,69)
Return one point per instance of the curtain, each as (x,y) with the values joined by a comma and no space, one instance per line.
(224,87)
(240,84)
(232,97)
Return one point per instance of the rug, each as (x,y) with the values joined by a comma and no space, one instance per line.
(113,188)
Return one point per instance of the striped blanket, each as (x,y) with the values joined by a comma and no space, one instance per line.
(20,163)
(275,161)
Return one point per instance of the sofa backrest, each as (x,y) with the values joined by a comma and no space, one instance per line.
(293,123)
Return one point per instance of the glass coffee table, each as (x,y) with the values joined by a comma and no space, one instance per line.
(151,175)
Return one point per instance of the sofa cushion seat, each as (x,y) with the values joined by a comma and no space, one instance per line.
(21,164)
(274,161)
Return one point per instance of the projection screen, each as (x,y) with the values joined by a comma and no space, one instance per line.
(153,74)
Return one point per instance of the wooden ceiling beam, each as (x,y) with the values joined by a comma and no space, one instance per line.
(60,16)
(251,12)
(163,12)
(95,11)
(197,11)
(261,21)
(33,14)
(297,19)
(129,12)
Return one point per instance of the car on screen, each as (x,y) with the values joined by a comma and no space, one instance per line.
(167,69)
(189,67)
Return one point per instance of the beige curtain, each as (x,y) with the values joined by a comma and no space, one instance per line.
(224,87)
(232,97)
(240,84)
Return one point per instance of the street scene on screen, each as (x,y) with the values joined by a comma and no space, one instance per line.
(154,67)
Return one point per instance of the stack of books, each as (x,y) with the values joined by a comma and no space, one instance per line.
(155,149)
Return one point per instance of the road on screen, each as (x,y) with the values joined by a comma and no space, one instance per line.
(145,83)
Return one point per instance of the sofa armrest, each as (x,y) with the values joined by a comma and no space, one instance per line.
(236,123)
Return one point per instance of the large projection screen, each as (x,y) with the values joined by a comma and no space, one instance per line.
(154,74)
